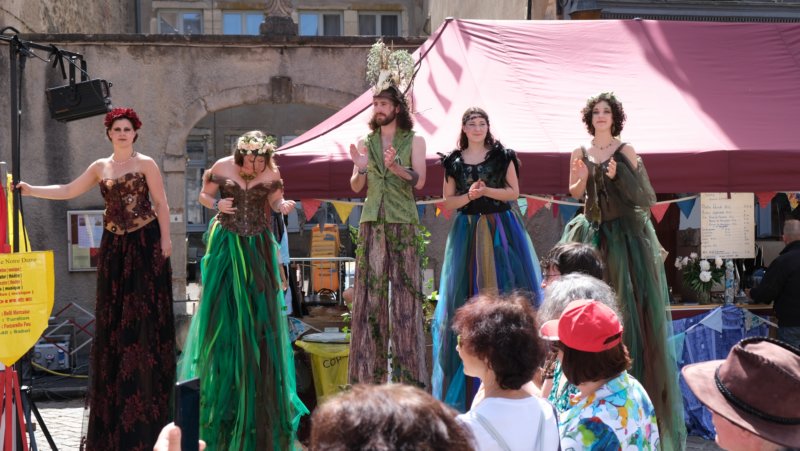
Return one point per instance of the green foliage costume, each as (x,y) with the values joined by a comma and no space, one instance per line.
(238,344)
(617,222)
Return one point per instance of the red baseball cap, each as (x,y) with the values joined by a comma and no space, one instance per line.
(585,325)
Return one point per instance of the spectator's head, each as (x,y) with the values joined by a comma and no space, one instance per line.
(568,258)
(590,336)
(791,230)
(752,394)
(386,417)
(499,332)
(572,287)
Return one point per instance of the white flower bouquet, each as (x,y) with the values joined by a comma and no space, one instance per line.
(700,274)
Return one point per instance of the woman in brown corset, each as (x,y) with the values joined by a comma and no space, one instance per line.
(133,354)
(238,344)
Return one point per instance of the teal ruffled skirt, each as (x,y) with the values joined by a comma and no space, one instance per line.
(490,252)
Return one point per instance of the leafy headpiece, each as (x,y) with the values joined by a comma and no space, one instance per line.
(387,69)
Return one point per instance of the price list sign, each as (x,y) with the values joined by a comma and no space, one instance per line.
(727,225)
(27,292)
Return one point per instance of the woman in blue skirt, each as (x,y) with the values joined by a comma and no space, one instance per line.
(488,248)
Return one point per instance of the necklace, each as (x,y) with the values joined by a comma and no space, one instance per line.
(133,154)
(246,177)
(599,147)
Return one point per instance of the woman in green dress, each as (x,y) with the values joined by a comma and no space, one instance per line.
(238,344)
(611,178)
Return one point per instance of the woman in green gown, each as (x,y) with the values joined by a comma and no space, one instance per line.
(611,178)
(238,344)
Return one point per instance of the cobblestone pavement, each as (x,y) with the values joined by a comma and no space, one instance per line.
(64,419)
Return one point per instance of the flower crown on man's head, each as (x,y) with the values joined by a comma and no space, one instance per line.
(254,145)
(387,68)
(123,113)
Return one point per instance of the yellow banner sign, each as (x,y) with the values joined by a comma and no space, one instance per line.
(27,291)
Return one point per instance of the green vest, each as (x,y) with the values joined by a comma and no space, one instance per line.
(385,188)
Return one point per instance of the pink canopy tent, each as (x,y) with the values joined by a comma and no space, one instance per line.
(710,106)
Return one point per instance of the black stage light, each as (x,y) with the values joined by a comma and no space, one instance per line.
(79,100)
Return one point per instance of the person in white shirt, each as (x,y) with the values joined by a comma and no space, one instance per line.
(498,342)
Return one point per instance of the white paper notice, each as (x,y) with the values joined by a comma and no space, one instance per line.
(90,230)
(727,225)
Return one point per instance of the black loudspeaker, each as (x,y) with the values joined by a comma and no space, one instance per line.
(79,100)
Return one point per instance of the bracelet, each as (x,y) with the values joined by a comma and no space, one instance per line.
(362,172)
(468,196)
(215,205)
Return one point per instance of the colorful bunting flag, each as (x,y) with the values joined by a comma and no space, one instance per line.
(310,207)
(659,210)
(534,205)
(687,206)
(447,213)
(421,210)
(523,205)
(794,199)
(567,211)
(343,209)
(765,198)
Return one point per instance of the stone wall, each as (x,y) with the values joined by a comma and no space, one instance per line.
(69,16)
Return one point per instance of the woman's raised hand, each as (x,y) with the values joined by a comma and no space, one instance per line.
(287,206)
(611,172)
(579,169)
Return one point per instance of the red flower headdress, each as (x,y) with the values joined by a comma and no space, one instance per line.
(123,113)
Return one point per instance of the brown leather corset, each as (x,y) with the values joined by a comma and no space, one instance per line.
(252,205)
(128,206)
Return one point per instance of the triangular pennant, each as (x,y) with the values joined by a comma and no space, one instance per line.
(554,207)
(444,211)
(439,208)
(567,211)
(343,209)
(421,210)
(713,320)
(765,198)
(310,207)
(523,205)
(687,206)
(534,205)
(794,199)
(659,210)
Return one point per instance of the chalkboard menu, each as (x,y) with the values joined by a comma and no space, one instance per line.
(727,225)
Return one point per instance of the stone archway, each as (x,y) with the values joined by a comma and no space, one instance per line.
(174,164)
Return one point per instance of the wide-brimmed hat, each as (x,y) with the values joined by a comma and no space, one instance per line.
(585,325)
(755,388)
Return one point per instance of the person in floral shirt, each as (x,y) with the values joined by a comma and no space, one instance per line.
(611,411)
